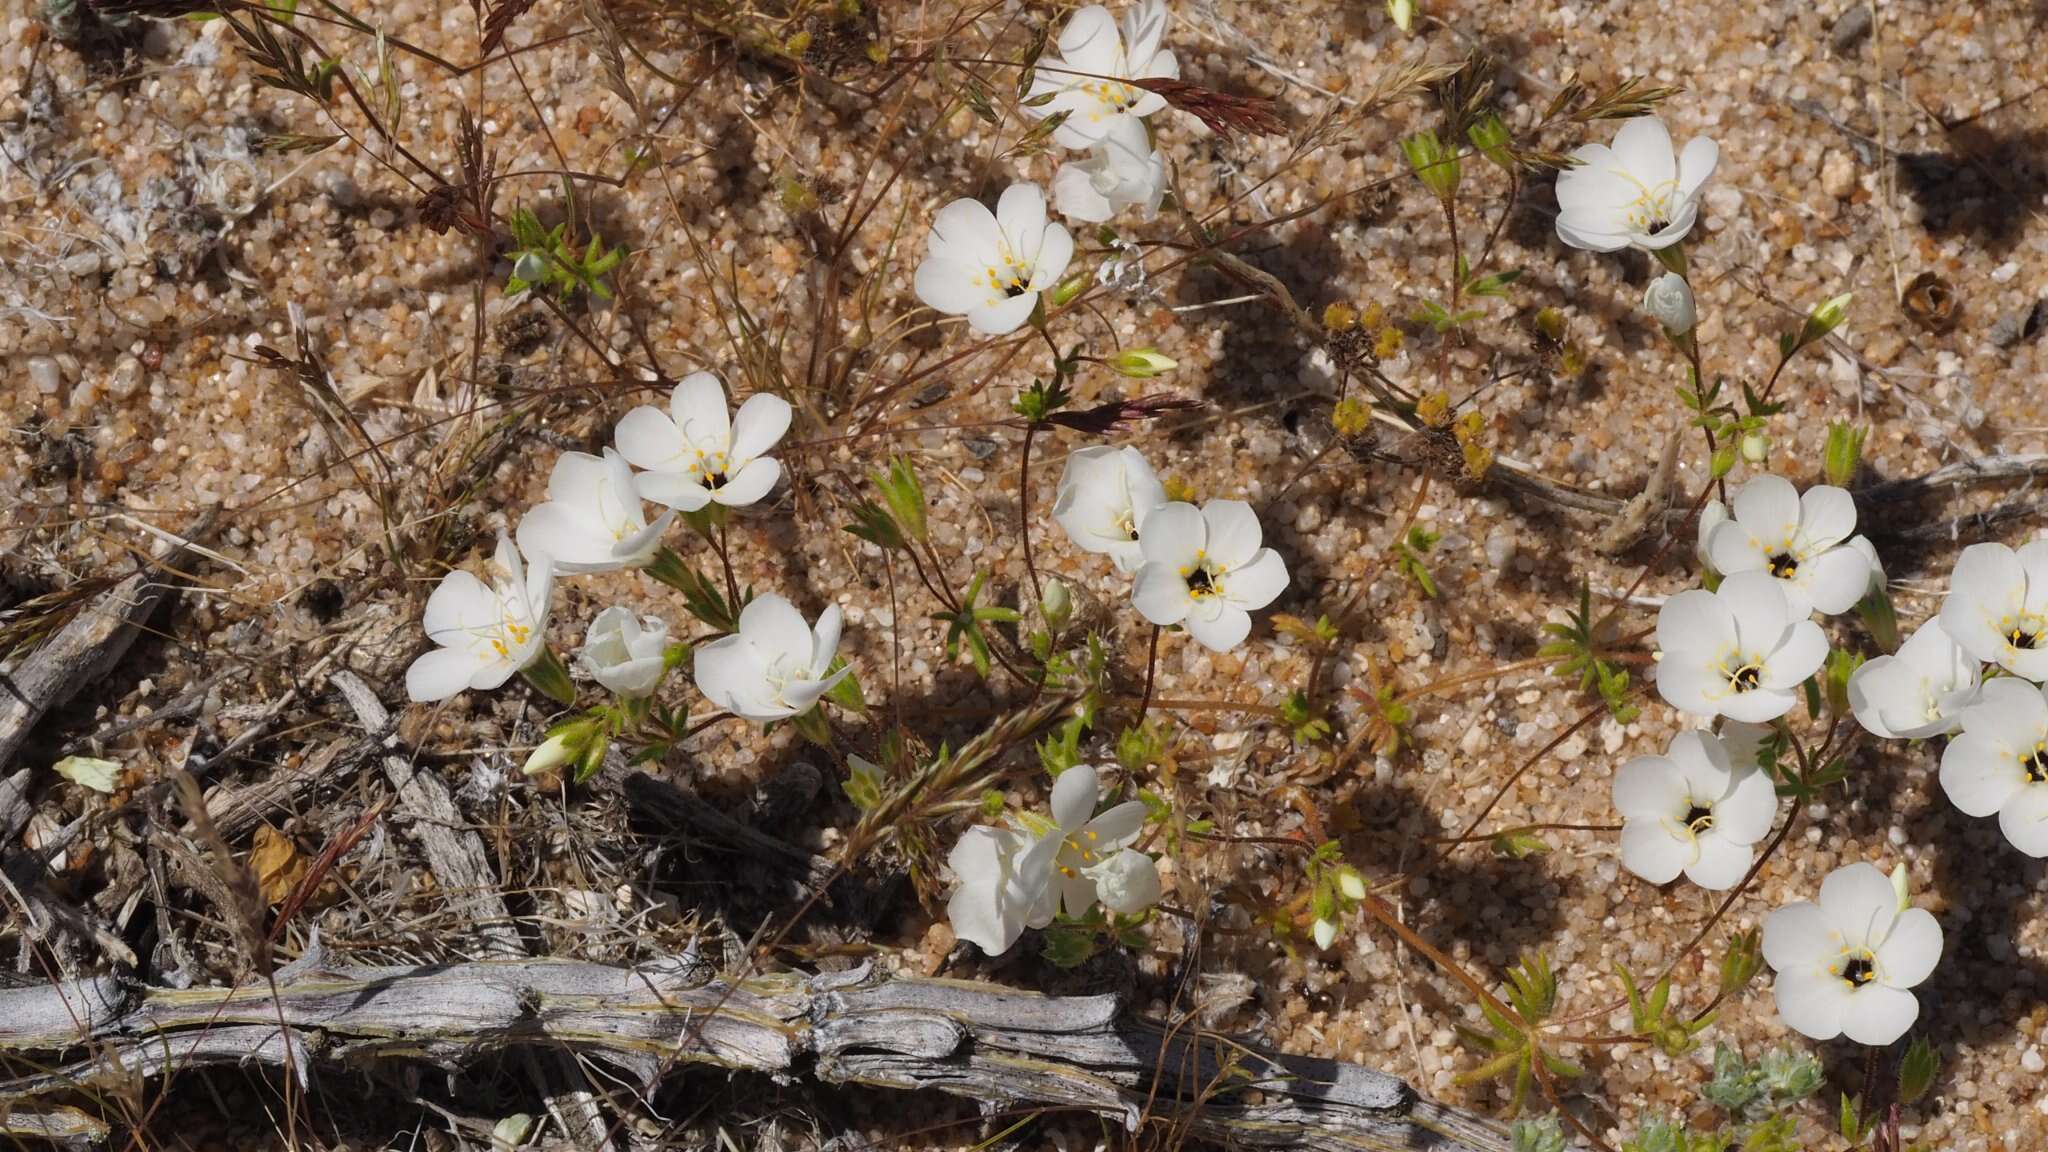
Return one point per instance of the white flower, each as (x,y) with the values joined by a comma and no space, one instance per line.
(1803,541)
(991,267)
(693,455)
(1104,494)
(1090,80)
(1668,300)
(483,632)
(1921,690)
(1011,879)
(1845,964)
(624,652)
(1693,810)
(1999,763)
(1636,192)
(1736,652)
(775,666)
(1127,882)
(1712,516)
(1123,170)
(1997,606)
(592,521)
(1204,569)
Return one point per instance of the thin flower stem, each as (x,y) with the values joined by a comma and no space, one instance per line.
(732,587)
(1519,828)
(1151,666)
(1024,512)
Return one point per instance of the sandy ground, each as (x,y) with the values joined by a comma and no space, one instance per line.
(150,247)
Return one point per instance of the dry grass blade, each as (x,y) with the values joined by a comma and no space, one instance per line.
(1224,113)
(245,911)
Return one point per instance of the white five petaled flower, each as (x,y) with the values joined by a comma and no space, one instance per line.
(1999,763)
(1918,691)
(694,455)
(1017,878)
(1847,964)
(1091,79)
(1693,810)
(1736,652)
(775,666)
(1636,192)
(1997,606)
(991,267)
(1204,569)
(592,520)
(483,632)
(1123,170)
(1803,541)
(625,653)
(1105,493)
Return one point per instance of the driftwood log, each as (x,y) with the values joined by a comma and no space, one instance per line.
(1000,1046)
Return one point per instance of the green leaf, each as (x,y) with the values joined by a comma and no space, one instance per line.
(1917,1070)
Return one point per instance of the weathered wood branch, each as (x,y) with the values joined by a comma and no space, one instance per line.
(1000,1046)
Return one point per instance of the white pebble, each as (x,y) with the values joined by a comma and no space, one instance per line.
(45,375)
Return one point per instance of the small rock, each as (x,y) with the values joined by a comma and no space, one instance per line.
(337,186)
(108,107)
(44,373)
(2004,273)
(981,447)
(2031,1060)
(2010,328)
(1851,28)
(1838,175)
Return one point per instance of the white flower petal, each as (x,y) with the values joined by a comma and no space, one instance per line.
(648,439)
(1116,828)
(1049,260)
(1978,775)
(1835,580)
(1259,582)
(1004,316)
(1804,650)
(1232,531)
(672,490)
(1827,515)
(749,484)
(698,405)
(1174,535)
(441,673)
(1811,1002)
(1910,950)
(2024,820)
(1221,630)
(1127,883)
(759,425)
(1649,788)
(1642,147)
(1696,623)
(1860,903)
(1988,583)
(774,629)
(1878,1014)
(1746,813)
(1798,937)
(1020,213)
(1721,863)
(1073,797)
(1696,165)
(460,610)
(1160,594)
(1649,850)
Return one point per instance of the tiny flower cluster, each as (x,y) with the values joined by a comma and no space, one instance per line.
(994,267)
(691,458)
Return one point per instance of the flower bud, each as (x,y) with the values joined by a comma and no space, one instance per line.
(1064,292)
(1351,884)
(1142,363)
(1325,932)
(1402,12)
(531,267)
(1901,887)
(1669,300)
(1056,604)
(553,752)
(1756,447)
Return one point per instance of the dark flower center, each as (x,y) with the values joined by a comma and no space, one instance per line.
(1747,677)
(1858,971)
(1699,819)
(1784,565)
(2036,766)
(2022,638)
(1200,583)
